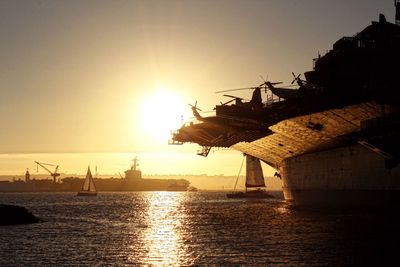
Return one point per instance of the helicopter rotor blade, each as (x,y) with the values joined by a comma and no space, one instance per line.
(264,84)
(262,78)
(227,102)
(234,97)
(237,89)
(288,86)
(296,78)
(195,106)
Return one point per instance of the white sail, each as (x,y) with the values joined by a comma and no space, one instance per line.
(92,187)
(254,178)
(254,173)
(88,185)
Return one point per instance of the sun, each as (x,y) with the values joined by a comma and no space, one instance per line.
(160,112)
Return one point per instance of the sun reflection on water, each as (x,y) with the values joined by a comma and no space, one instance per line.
(161,240)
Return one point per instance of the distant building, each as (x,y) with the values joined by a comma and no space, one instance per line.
(27,176)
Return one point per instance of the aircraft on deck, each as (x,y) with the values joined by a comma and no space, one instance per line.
(247,120)
(304,89)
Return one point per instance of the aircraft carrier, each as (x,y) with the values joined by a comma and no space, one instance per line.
(334,139)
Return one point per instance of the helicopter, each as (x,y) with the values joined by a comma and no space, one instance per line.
(254,103)
(220,130)
(241,112)
(246,118)
(249,114)
(222,120)
(196,110)
(284,92)
(238,100)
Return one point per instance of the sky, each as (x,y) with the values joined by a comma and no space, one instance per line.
(117,76)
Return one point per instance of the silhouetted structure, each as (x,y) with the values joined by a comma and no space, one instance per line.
(333,140)
(27,176)
(54,174)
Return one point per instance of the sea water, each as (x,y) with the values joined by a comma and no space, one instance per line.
(192,229)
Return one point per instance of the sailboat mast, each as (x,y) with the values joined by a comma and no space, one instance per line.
(240,170)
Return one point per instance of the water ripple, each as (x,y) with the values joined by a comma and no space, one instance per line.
(190,229)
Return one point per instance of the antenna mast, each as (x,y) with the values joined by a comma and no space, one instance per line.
(397,5)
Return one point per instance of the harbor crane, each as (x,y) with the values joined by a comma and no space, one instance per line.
(54,174)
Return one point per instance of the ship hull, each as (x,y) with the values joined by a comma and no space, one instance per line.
(343,198)
(348,176)
(255,194)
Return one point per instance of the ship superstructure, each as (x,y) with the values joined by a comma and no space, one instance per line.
(335,138)
(133,172)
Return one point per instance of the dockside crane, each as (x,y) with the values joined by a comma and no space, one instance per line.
(54,174)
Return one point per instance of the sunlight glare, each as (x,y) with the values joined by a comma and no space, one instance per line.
(162,238)
(160,112)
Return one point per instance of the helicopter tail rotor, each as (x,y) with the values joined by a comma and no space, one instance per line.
(195,106)
(296,78)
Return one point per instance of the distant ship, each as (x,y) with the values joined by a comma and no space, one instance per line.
(133,172)
(335,140)
(254,180)
(133,181)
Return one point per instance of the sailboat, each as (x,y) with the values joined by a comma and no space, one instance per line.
(88,188)
(254,179)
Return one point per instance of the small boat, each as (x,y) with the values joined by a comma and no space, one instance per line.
(88,188)
(254,179)
(258,193)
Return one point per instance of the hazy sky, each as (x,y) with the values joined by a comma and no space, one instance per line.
(90,76)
